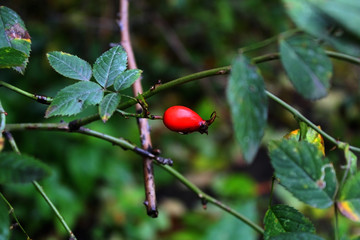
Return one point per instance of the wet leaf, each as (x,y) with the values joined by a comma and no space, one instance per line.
(109,66)
(308,67)
(301,169)
(75,98)
(108,106)
(248,103)
(69,65)
(283,218)
(15,168)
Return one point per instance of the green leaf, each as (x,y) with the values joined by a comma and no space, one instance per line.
(69,65)
(10,57)
(109,66)
(248,103)
(301,169)
(307,66)
(351,160)
(297,236)
(126,79)
(108,106)
(13,34)
(307,17)
(344,12)
(75,98)
(313,17)
(15,168)
(283,218)
(349,201)
(4,221)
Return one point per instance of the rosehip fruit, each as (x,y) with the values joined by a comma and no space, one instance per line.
(184,120)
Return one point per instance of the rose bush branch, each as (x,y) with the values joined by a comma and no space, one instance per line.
(207,198)
(63,127)
(39,98)
(41,191)
(12,211)
(143,124)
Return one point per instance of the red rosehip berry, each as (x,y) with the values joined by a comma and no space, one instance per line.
(184,120)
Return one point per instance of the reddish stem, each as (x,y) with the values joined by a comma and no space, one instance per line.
(143,124)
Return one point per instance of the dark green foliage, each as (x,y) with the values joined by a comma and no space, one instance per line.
(307,66)
(301,169)
(4,221)
(248,104)
(15,168)
(10,57)
(13,34)
(283,218)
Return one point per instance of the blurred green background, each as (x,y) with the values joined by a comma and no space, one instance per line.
(97,187)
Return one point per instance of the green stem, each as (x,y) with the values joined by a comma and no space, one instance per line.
(63,127)
(268,41)
(336,212)
(273,179)
(207,198)
(41,191)
(301,117)
(12,211)
(127,145)
(138,115)
(203,74)
(38,98)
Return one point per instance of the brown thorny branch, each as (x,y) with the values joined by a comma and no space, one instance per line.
(145,138)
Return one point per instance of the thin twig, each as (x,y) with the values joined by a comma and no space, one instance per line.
(120,142)
(12,211)
(39,98)
(63,127)
(143,124)
(207,198)
(41,191)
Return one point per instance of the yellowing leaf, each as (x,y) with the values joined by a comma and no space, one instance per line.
(348,210)
(312,137)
